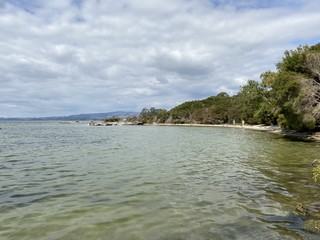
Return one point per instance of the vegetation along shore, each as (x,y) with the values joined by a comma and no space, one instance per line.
(288,97)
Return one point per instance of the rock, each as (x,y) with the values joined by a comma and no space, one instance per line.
(312,225)
(311,217)
(301,210)
(315,162)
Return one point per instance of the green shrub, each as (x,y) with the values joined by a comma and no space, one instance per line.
(282,122)
(309,121)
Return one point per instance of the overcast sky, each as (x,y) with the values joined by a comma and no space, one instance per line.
(63,57)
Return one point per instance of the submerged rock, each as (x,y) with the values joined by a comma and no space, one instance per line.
(301,210)
(312,225)
(311,218)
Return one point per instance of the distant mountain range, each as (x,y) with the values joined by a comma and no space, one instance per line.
(79,117)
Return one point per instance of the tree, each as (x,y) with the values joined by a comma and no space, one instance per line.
(293,90)
(253,104)
(313,63)
(112,119)
(153,115)
(311,87)
(294,60)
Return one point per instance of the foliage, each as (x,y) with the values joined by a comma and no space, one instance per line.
(153,115)
(294,89)
(211,110)
(294,60)
(316,173)
(252,102)
(112,119)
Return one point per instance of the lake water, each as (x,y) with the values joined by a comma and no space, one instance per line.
(72,181)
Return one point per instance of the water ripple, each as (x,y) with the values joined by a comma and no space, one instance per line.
(65,181)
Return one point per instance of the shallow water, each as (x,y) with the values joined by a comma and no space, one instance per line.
(72,181)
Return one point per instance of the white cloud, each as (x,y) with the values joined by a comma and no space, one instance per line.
(185,63)
(64,57)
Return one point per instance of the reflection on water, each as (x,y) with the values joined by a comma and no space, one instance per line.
(71,181)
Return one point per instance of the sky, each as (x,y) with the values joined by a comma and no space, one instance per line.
(64,57)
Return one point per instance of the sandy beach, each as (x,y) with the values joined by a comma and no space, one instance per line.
(245,126)
(304,136)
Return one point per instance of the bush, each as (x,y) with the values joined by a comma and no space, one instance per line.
(309,121)
(112,119)
(282,122)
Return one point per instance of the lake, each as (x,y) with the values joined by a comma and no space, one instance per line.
(73,181)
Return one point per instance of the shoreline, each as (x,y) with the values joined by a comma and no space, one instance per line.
(261,127)
(291,134)
(303,136)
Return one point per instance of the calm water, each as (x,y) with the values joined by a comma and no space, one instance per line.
(72,181)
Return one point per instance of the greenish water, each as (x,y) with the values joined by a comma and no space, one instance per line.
(72,181)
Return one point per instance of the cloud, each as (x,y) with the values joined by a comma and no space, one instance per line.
(185,63)
(161,80)
(76,56)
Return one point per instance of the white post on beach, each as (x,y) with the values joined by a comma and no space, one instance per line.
(234,122)
(242,122)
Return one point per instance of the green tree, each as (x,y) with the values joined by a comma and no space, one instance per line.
(253,104)
(112,119)
(293,90)
(153,115)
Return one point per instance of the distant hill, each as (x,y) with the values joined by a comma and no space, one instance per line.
(79,117)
